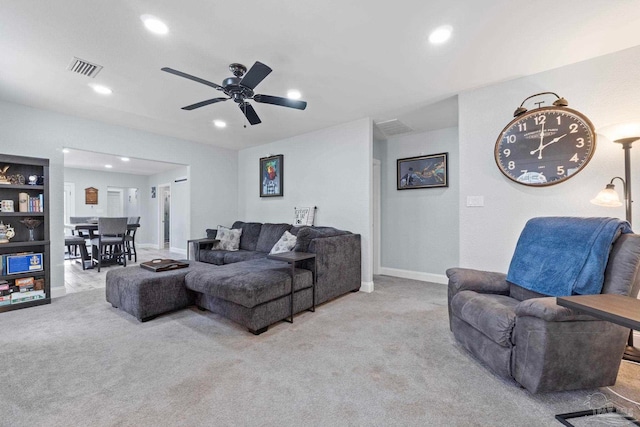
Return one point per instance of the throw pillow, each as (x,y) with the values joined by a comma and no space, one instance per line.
(229,239)
(286,243)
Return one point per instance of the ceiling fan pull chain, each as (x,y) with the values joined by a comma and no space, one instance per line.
(246,120)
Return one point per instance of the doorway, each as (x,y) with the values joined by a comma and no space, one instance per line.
(115,202)
(69,201)
(376,215)
(164,218)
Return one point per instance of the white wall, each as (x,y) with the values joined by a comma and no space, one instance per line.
(132,201)
(329,168)
(606,90)
(420,229)
(180,203)
(83,178)
(32,132)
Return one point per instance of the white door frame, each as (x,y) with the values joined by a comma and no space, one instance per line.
(70,200)
(377,196)
(160,195)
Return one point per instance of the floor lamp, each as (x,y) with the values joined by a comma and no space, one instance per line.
(625,135)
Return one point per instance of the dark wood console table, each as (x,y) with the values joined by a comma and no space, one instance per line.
(292,258)
(197,243)
(619,309)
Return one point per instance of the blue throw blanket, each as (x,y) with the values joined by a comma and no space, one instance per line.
(560,256)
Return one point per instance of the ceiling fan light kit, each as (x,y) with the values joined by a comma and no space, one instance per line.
(240,88)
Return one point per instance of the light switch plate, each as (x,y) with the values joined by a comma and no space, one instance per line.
(475,201)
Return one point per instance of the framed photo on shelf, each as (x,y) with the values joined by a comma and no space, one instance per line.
(429,171)
(271,169)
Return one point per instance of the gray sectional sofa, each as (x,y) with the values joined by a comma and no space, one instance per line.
(254,291)
(244,285)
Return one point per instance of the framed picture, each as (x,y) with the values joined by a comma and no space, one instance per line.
(423,172)
(91,196)
(271,169)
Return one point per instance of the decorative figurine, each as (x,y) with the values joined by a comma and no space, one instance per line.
(6,232)
(3,175)
(16,179)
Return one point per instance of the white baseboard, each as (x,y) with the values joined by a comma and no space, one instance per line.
(179,251)
(58,291)
(414,275)
(366,287)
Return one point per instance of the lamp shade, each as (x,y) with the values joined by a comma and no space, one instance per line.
(621,131)
(607,197)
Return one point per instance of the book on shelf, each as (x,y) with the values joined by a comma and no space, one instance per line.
(5,299)
(18,297)
(36,203)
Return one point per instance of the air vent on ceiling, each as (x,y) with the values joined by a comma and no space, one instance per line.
(83,67)
(393,127)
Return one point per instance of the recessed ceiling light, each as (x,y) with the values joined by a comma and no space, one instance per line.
(65,150)
(102,90)
(108,166)
(294,94)
(154,25)
(125,159)
(440,34)
(220,124)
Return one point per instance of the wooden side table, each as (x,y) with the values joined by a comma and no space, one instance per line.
(292,258)
(619,309)
(199,242)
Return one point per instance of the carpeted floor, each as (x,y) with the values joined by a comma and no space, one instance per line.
(380,359)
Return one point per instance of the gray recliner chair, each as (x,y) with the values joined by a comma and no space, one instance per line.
(526,336)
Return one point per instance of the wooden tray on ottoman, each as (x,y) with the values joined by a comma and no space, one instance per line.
(159,264)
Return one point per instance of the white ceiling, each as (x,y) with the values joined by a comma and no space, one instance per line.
(349,59)
(81,159)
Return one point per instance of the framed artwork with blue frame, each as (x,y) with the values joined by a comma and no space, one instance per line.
(423,172)
(271,170)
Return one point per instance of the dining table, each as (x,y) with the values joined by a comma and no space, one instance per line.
(89,230)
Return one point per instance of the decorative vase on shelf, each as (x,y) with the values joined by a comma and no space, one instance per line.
(31,224)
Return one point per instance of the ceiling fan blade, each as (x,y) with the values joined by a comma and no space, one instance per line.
(249,113)
(203,103)
(255,75)
(283,102)
(190,77)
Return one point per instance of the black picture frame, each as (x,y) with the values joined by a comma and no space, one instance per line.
(271,176)
(430,171)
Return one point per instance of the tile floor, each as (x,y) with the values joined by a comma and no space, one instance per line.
(78,280)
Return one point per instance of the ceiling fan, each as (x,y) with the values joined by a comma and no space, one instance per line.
(240,89)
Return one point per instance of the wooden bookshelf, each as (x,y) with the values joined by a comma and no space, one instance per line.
(20,243)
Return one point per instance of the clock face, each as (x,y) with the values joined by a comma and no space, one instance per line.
(545,146)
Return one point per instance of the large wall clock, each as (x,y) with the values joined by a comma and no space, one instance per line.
(546,145)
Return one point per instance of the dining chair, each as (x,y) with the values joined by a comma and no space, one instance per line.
(75,242)
(109,244)
(130,238)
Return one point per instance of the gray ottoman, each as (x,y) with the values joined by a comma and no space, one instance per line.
(146,294)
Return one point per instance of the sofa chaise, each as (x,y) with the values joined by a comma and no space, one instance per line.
(254,291)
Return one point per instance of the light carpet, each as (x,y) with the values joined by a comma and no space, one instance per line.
(380,359)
